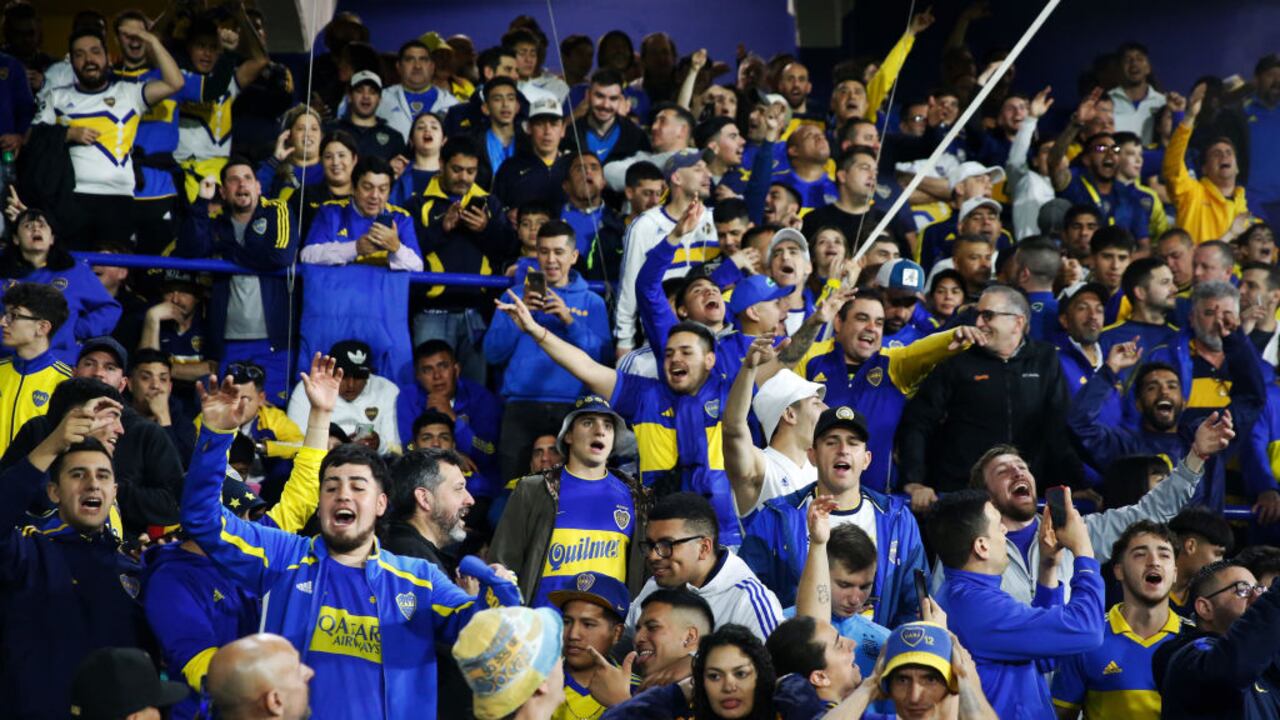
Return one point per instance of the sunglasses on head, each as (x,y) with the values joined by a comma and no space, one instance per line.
(246,372)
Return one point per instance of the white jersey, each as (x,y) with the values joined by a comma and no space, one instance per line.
(652,227)
(781,477)
(58,75)
(204,129)
(399,107)
(374,407)
(104,167)
(864,516)
(549,83)
(735,595)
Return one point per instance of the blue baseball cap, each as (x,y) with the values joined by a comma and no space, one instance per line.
(901,274)
(756,289)
(680,160)
(598,589)
(918,643)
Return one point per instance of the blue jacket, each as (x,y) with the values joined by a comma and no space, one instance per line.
(1007,638)
(1044,315)
(64,594)
(194,609)
(1230,676)
(417,604)
(270,243)
(664,702)
(531,374)
(19,106)
(777,545)
(479,418)
(91,311)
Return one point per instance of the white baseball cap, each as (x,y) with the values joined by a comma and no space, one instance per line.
(368,76)
(788,234)
(974,203)
(776,395)
(970,169)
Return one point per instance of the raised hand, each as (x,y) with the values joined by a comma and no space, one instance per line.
(746,258)
(221,405)
(1041,103)
(1196,99)
(819,519)
(283,148)
(698,60)
(1214,434)
(1176,102)
(519,313)
(921,21)
(830,306)
(689,220)
(321,384)
(208,187)
(1088,109)
(1123,356)
(760,353)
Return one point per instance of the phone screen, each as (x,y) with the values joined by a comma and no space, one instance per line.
(922,586)
(535,282)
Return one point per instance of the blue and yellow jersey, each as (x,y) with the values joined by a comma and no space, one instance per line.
(105,166)
(1114,680)
(274,429)
(25,389)
(593,533)
(346,643)
(158,129)
(878,388)
(204,126)
(578,703)
(681,439)
(813,193)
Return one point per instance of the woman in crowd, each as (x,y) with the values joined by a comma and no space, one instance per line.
(296,161)
(338,158)
(946,293)
(33,255)
(733,677)
(426,137)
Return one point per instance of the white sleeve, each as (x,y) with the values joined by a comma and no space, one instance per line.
(636,244)
(387,427)
(758,610)
(299,406)
(615,173)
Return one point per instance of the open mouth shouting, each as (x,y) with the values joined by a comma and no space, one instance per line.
(343,518)
(1021,492)
(1153,580)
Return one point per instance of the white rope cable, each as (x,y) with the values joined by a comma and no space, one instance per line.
(888,107)
(1049,7)
(292,273)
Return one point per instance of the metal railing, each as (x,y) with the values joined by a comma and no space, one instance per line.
(222,267)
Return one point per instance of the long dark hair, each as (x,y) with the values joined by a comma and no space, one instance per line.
(750,645)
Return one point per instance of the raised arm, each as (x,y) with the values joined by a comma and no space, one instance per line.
(1102,443)
(744,463)
(301,493)
(1175,156)
(250,45)
(171,77)
(813,596)
(1058,169)
(600,379)
(887,74)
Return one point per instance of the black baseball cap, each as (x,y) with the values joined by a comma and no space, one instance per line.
(106,344)
(841,416)
(113,683)
(353,357)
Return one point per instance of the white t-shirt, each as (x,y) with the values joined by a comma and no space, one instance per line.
(106,166)
(864,516)
(782,477)
(375,405)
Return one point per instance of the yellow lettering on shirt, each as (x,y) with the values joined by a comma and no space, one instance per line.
(341,633)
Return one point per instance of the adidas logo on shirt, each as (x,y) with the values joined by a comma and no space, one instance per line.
(1112,669)
(306,587)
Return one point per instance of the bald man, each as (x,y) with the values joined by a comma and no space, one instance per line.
(259,676)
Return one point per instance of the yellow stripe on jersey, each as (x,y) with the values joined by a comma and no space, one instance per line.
(715,446)
(698,253)
(115,134)
(656,445)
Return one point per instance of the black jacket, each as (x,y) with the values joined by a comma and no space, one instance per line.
(631,140)
(975,400)
(524,178)
(148,470)
(1228,676)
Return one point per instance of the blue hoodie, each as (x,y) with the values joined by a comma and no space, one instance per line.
(777,545)
(91,311)
(475,431)
(194,609)
(531,374)
(1007,638)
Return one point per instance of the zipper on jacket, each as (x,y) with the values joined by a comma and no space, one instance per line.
(13,412)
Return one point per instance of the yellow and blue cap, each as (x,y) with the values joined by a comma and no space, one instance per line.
(598,589)
(505,654)
(924,644)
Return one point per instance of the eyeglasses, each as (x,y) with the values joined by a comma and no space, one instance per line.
(246,372)
(903,302)
(989,315)
(917,118)
(1240,589)
(12,317)
(1107,148)
(664,548)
